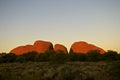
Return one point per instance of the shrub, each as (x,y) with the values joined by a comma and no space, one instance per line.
(110,55)
(7,58)
(30,56)
(93,55)
(76,57)
(59,57)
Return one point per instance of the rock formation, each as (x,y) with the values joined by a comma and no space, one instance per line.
(39,46)
(83,47)
(22,49)
(59,47)
(42,46)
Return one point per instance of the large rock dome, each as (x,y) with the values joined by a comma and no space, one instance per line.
(60,47)
(39,47)
(84,47)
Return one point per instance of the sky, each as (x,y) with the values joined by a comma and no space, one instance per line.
(60,21)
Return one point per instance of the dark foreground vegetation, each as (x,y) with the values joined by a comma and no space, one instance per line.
(60,66)
(60,57)
(68,71)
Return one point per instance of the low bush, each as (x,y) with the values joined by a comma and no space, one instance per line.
(60,56)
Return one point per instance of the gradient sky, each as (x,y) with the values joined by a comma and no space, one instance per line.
(60,21)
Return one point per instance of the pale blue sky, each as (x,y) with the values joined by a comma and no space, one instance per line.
(60,21)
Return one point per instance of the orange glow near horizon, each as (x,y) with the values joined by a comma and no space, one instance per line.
(60,21)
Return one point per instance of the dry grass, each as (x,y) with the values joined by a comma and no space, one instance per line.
(66,71)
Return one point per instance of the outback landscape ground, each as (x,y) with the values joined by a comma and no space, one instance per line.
(59,39)
(42,61)
(67,71)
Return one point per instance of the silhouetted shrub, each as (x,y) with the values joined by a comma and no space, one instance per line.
(76,57)
(7,57)
(30,56)
(110,55)
(81,57)
(72,56)
(1,57)
(21,58)
(118,56)
(59,57)
(43,57)
(93,55)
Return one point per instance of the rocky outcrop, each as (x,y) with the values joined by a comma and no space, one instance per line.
(84,47)
(42,46)
(39,47)
(22,49)
(59,47)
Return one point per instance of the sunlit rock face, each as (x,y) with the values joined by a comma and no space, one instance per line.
(59,47)
(84,47)
(42,46)
(22,49)
(39,47)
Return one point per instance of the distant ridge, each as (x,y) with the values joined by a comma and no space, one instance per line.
(41,47)
(84,47)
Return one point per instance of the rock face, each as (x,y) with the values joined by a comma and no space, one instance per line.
(42,46)
(39,46)
(22,49)
(83,47)
(59,47)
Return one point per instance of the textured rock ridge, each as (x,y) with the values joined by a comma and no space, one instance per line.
(84,47)
(59,47)
(42,46)
(22,49)
(39,47)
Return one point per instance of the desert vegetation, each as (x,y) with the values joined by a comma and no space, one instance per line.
(68,71)
(60,66)
(60,57)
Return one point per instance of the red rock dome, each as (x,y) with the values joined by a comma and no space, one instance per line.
(84,47)
(22,49)
(42,46)
(39,46)
(59,47)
